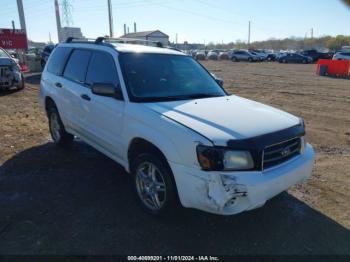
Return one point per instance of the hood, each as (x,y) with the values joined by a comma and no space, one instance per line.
(4,61)
(223,118)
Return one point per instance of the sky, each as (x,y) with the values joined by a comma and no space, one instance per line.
(200,21)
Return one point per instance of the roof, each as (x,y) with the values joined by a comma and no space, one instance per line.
(132,48)
(125,48)
(142,34)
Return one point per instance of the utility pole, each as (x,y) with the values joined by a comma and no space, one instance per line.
(23,27)
(249,34)
(21,15)
(110,16)
(13,25)
(58,22)
(312,33)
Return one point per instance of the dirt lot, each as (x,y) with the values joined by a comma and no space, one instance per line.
(80,202)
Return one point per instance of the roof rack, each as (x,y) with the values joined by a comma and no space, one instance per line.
(80,40)
(101,40)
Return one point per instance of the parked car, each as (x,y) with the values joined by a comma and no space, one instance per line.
(315,55)
(224,56)
(294,58)
(10,72)
(260,57)
(212,55)
(271,57)
(45,54)
(261,54)
(167,121)
(342,56)
(242,55)
(200,55)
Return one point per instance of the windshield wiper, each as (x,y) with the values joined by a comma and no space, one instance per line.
(175,98)
(204,95)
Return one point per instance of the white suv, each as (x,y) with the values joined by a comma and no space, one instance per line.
(168,122)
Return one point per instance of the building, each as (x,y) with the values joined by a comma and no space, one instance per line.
(156,36)
(66,32)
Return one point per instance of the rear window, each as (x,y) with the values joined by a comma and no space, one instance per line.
(77,65)
(58,60)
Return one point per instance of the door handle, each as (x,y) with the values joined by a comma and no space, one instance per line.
(85,97)
(58,84)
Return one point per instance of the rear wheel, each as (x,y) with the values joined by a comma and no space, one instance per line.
(250,59)
(154,184)
(234,59)
(57,130)
(284,61)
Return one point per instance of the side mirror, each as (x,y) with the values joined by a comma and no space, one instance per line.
(107,89)
(218,80)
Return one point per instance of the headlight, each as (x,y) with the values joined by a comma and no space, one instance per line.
(303,138)
(222,159)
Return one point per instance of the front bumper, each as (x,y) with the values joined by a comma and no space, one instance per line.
(11,79)
(228,193)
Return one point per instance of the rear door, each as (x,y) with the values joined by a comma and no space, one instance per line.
(73,88)
(105,115)
(51,80)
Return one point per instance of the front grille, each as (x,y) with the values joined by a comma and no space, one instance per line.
(2,71)
(277,154)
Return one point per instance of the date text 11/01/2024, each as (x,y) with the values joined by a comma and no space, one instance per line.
(173,258)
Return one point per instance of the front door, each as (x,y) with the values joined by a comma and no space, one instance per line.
(105,115)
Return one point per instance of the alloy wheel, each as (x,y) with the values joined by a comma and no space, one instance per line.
(150,185)
(55,127)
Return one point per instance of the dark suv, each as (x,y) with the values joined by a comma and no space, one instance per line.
(45,54)
(315,55)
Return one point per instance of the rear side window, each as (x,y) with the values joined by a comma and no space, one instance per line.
(58,60)
(77,65)
(102,69)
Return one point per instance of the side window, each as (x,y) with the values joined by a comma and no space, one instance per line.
(77,65)
(58,60)
(102,69)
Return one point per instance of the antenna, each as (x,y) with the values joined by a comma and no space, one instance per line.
(67,12)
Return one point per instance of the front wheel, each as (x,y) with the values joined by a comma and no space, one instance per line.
(57,130)
(21,85)
(154,184)
(250,59)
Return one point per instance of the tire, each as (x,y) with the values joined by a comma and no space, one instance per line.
(22,84)
(304,62)
(155,193)
(58,133)
(284,61)
(234,59)
(250,59)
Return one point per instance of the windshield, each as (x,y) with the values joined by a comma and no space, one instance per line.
(159,77)
(3,54)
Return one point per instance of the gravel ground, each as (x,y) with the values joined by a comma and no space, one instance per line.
(54,201)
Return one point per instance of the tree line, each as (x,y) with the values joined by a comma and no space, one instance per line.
(292,43)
